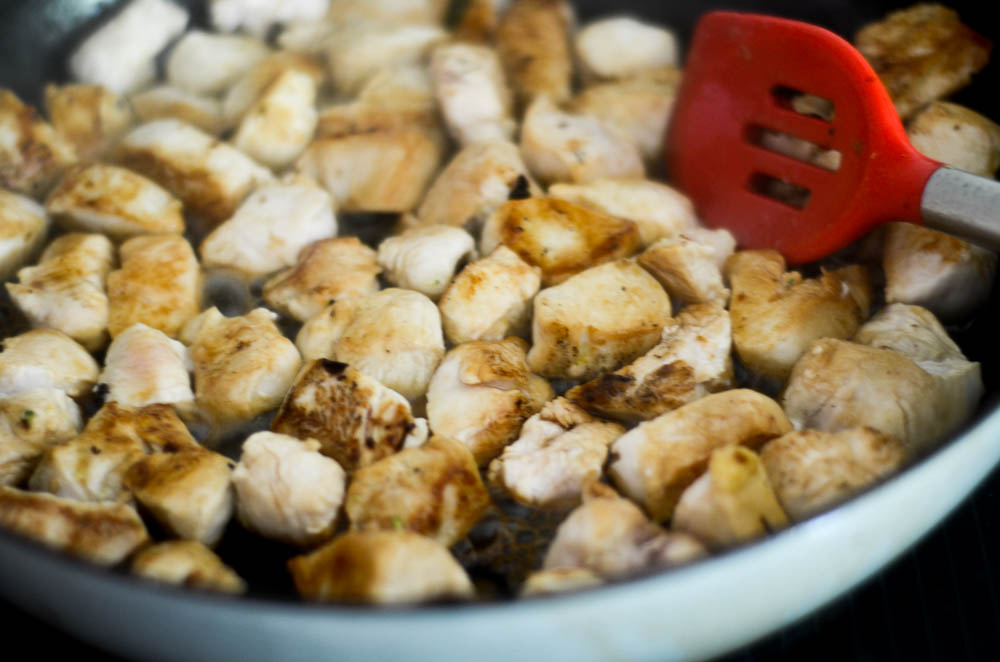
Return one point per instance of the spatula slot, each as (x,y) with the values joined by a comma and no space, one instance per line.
(780,190)
(803,103)
(794,147)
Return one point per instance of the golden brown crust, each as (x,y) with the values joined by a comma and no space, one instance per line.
(90,117)
(533,43)
(39,153)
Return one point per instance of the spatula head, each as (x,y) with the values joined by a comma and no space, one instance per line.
(742,98)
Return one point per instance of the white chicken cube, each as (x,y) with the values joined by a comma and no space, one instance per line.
(957,136)
(470,88)
(425,258)
(31,422)
(207,63)
(143,366)
(23,228)
(622,46)
(688,270)
(44,359)
(186,563)
(120,54)
(167,101)
(92,118)
(281,122)
(359,50)
(252,84)
(32,153)
(257,16)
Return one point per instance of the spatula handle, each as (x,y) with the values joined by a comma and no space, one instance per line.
(964,205)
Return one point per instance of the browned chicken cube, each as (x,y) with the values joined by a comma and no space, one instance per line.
(32,153)
(92,118)
(186,563)
(533,40)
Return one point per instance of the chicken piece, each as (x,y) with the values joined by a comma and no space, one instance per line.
(189,492)
(777,314)
(92,465)
(621,46)
(838,385)
(380,567)
(413,12)
(143,366)
(559,580)
(393,336)
(166,101)
(23,228)
(478,179)
(957,136)
(610,536)
(90,117)
(44,359)
(120,54)
(655,462)
(921,54)
(688,270)
(692,360)
(65,290)
(927,268)
(186,563)
(359,50)
(325,271)
(210,177)
(281,122)
(207,63)
(533,41)
(258,16)
(812,471)
(102,533)
(425,258)
(560,237)
(270,229)
(246,91)
(287,490)
(799,149)
(159,284)
(393,98)
(563,147)
(638,107)
(32,153)
(113,201)
(477,20)
(490,298)
(470,88)
(434,490)
(355,419)
(481,394)
(243,366)
(559,452)
(30,423)
(732,502)
(597,321)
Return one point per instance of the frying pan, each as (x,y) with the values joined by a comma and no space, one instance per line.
(693,612)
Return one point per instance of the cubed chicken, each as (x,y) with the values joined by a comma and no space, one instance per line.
(281,122)
(731,503)
(655,462)
(186,563)
(355,419)
(564,147)
(325,271)
(166,101)
(657,209)
(32,153)
(560,237)
(621,46)
(490,298)
(470,88)
(207,63)
(113,201)
(477,20)
(359,50)
(23,229)
(425,258)
(120,54)
(65,291)
(482,393)
(957,136)
(922,53)
(287,490)
(102,533)
(533,41)
(243,366)
(258,16)
(927,268)
(245,92)
(43,359)
(777,314)
(611,537)
(478,179)
(394,336)
(812,471)
(30,423)
(92,118)
(692,360)
(380,567)
(143,366)
(597,321)
(393,98)
(559,580)
(159,284)
(210,177)
(434,490)
(560,451)
(687,269)
(270,229)
(416,12)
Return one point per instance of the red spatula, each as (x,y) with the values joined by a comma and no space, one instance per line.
(743,75)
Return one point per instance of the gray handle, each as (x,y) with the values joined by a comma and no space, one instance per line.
(964,205)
